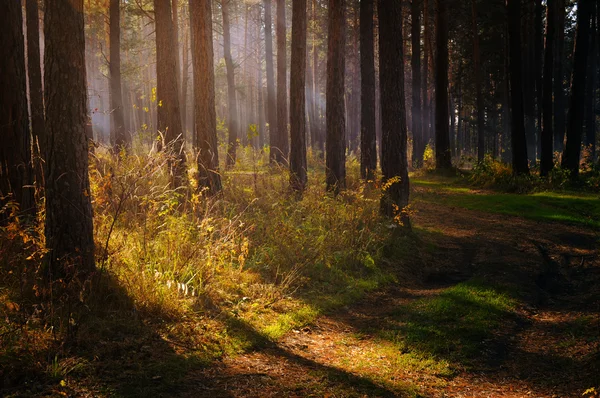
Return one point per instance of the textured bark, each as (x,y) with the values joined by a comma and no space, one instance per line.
(478,90)
(298,164)
(538,57)
(559,78)
(335,159)
(572,152)
(118,137)
(425,86)
(589,138)
(69,225)
(519,144)
(547,161)
(283,149)
(34,72)
(271,97)
(415,63)
(368,144)
(394,162)
(167,91)
(443,156)
(185,76)
(15,155)
(232,118)
(316,125)
(204,95)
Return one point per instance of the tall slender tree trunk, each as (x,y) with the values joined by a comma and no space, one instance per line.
(425,86)
(368,144)
(261,97)
(478,72)
(519,143)
(394,162)
(298,164)
(335,160)
(167,91)
(204,95)
(559,78)
(271,96)
(590,98)
(318,138)
(232,119)
(443,156)
(185,77)
(118,137)
(417,127)
(282,105)
(15,145)
(547,161)
(572,151)
(69,225)
(538,67)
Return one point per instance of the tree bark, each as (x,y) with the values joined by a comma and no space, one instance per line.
(590,99)
(335,160)
(167,91)
(205,117)
(547,161)
(519,144)
(572,151)
(417,127)
(426,132)
(443,156)
(298,177)
(69,222)
(394,163)
(185,76)
(271,96)
(368,144)
(282,112)
(559,78)
(478,91)
(118,137)
(15,154)
(232,119)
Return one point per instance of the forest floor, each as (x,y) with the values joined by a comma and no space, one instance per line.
(498,296)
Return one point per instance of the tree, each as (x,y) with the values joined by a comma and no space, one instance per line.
(368,144)
(443,156)
(478,89)
(519,144)
(204,95)
(232,119)
(335,147)
(547,161)
(298,164)
(271,101)
(417,128)
(559,90)
(15,155)
(572,151)
(282,117)
(34,73)
(167,91)
(118,138)
(69,225)
(394,163)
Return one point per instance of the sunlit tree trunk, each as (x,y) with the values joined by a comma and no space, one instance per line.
(298,164)
(368,145)
(394,162)
(417,129)
(271,96)
(282,105)
(232,119)
(118,136)
(425,86)
(335,159)
(572,151)
(519,144)
(443,156)
(69,225)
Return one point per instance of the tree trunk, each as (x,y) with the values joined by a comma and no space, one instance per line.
(118,138)
(368,145)
(394,163)
(538,67)
(590,112)
(335,161)
(519,143)
(185,76)
(559,78)
(205,117)
(282,151)
(316,128)
(570,159)
(547,161)
(271,98)
(69,223)
(36,94)
(298,164)
(232,122)
(417,127)
(15,146)
(443,156)
(425,86)
(478,72)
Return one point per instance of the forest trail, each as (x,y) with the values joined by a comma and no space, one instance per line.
(504,306)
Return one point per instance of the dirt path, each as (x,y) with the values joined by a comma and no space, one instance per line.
(549,348)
